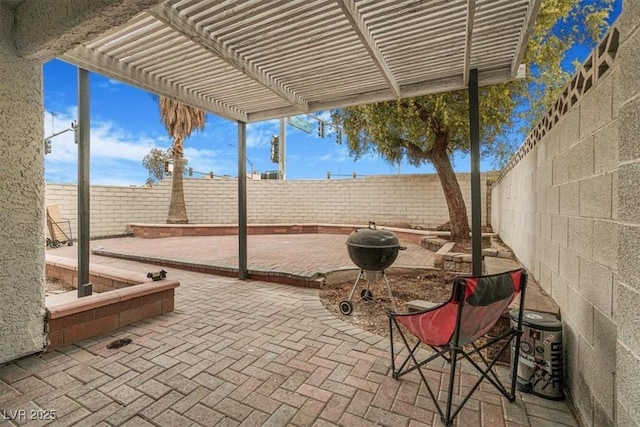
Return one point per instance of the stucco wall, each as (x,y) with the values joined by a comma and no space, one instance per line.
(390,199)
(22,201)
(568,206)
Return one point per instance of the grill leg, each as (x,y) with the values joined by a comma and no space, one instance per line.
(355,285)
(393,300)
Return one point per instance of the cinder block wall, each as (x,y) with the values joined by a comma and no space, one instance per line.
(627,285)
(388,199)
(568,206)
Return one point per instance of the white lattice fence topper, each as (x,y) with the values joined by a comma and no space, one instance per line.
(597,65)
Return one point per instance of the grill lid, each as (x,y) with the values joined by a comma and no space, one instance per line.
(372,238)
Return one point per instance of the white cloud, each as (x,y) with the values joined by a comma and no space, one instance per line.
(259,134)
(217,130)
(116,154)
(109,84)
(110,141)
(340,154)
(323,115)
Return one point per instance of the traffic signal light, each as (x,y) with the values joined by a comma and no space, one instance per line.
(275,149)
(211,174)
(76,132)
(339,137)
(166,167)
(47,146)
(321,129)
(190,171)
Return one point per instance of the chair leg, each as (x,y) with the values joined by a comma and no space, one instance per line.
(516,359)
(447,419)
(393,355)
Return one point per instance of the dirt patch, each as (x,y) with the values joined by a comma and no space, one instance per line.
(406,285)
(56,286)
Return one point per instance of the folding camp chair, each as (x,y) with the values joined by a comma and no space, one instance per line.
(452,328)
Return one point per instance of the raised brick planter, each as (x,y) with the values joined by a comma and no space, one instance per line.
(153,231)
(98,314)
(102,278)
(131,297)
(458,262)
(440,238)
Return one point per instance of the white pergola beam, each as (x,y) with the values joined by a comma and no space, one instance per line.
(194,33)
(471,11)
(525,33)
(485,78)
(46,29)
(356,20)
(107,66)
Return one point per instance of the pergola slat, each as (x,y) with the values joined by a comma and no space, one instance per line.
(255,60)
(94,61)
(187,28)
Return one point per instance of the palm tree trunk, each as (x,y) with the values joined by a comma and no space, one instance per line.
(177,208)
(455,202)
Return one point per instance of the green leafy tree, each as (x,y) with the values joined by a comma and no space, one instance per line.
(180,120)
(155,162)
(429,129)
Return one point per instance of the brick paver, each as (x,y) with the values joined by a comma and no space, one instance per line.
(303,255)
(239,353)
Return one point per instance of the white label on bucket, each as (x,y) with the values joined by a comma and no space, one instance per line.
(533,316)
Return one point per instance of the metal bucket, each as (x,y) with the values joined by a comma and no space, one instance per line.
(540,364)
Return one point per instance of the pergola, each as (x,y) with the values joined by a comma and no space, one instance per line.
(250,60)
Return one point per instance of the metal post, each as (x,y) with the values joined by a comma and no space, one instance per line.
(84,286)
(476,210)
(282,152)
(242,201)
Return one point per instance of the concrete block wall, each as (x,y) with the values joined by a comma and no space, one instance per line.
(627,204)
(111,208)
(569,208)
(389,199)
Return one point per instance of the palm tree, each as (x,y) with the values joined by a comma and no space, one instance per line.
(180,120)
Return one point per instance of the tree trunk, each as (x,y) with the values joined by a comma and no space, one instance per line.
(177,208)
(455,202)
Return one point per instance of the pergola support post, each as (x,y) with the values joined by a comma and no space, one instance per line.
(84,286)
(242,200)
(476,209)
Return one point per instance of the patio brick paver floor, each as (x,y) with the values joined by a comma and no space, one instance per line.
(241,353)
(298,254)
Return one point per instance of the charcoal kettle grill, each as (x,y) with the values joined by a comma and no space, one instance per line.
(373,251)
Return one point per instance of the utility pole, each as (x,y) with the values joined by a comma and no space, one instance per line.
(282,157)
(47,140)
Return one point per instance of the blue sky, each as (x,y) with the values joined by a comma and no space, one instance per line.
(125,126)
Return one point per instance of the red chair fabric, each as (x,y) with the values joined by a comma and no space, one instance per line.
(475,306)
